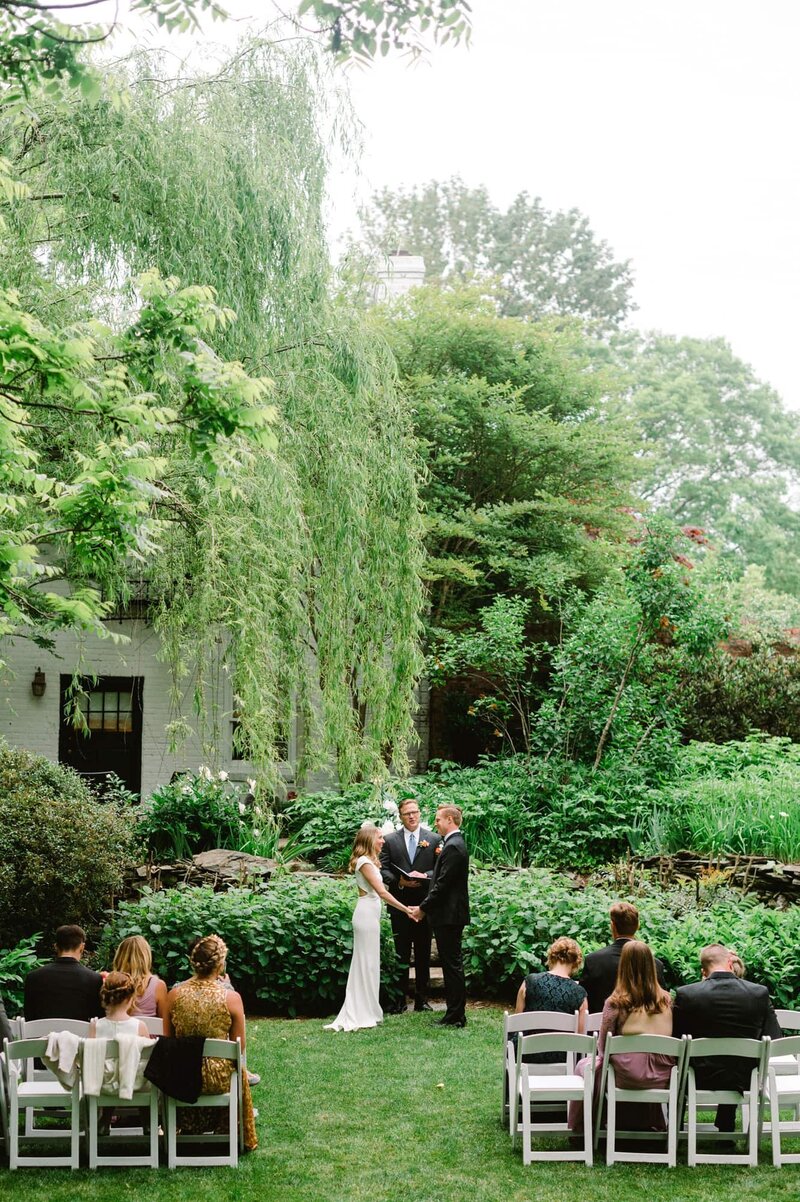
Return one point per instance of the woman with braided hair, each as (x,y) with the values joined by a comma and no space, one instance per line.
(203,1006)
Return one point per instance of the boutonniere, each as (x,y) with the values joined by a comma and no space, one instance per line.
(424,843)
(438,850)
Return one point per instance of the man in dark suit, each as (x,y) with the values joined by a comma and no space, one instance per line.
(599,975)
(722,1006)
(447,907)
(64,988)
(413,850)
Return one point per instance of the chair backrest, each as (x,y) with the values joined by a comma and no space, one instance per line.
(34,1028)
(539,1020)
(224,1049)
(790,1046)
(584,1045)
(24,1049)
(662,1045)
(744,1049)
(155,1026)
(788,1020)
(593,1022)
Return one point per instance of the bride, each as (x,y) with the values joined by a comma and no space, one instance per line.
(361,1007)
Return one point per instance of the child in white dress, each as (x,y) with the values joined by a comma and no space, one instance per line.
(116,997)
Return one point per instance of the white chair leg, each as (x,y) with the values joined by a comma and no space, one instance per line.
(588,1132)
(754,1126)
(611,1119)
(774,1120)
(171,1120)
(691,1146)
(13,1136)
(526,1125)
(672,1122)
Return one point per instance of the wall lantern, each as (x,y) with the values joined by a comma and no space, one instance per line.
(39,683)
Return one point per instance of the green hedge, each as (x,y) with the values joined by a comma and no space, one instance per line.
(290,945)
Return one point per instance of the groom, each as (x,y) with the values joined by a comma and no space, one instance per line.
(447,906)
(412,849)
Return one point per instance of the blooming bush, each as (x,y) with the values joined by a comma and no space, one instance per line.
(197,812)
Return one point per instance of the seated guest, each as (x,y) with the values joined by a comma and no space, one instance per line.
(133,956)
(599,975)
(723,1005)
(5,1026)
(555,990)
(64,988)
(203,1006)
(117,995)
(637,1006)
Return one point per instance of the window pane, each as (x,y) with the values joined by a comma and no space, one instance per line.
(95,720)
(110,702)
(110,721)
(125,722)
(96,702)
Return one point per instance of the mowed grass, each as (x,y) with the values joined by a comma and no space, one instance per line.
(408,1110)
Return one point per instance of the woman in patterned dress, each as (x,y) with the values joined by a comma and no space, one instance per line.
(203,1006)
(555,990)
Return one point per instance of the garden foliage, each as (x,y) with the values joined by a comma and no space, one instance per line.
(290,945)
(62,852)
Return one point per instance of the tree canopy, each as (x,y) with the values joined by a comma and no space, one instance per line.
(546,262)
(304,552)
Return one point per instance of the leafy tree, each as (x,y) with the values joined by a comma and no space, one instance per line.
(310,543)
(361,28)
(546,262)
(526,478)
(724,453)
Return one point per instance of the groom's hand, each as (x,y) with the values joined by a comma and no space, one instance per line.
(415,913)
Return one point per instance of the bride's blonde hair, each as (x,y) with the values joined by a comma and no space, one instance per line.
(364,845)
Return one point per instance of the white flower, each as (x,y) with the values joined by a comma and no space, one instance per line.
(388,827)
(187,790)
(784,814)
(223,775)
(204,773)
(251,784)
(256,831)
(242,808)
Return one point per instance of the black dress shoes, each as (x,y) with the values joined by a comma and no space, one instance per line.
(451,1022)
(423,1006)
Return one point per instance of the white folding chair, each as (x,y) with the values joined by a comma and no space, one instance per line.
(3,1101)
(609,1090)
(155,1026)
(593,1021)
(220,1049)
(756,1052)
(38,1095)
(528,1023)
(535,1088)
(40,1028)
(145,1098)
(783,1089)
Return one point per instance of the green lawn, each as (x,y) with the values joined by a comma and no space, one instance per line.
(408,1111)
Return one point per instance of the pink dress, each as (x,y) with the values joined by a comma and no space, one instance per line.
(633,1070)
(146,1004)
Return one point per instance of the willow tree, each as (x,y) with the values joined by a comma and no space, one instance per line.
(297,570)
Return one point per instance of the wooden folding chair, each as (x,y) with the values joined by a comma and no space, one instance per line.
(220,1049)
(670,1096)
(536,1088)
(754,1050)
(38,1095)
(528,1023)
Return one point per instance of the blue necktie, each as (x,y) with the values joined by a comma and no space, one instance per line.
(412,848)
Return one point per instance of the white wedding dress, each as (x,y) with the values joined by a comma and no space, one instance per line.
(361,1007)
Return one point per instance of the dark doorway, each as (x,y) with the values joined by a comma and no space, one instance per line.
(112,709)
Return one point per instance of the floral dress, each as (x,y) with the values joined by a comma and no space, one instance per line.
(199,1009)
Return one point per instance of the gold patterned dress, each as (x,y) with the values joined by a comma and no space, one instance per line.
(199,1009)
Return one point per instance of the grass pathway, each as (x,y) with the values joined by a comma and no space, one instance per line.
(407,1111)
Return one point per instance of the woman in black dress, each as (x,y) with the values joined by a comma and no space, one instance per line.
(555,990)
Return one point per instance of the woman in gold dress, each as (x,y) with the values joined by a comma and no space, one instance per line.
(203,1006)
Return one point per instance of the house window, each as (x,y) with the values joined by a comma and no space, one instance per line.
(108,710)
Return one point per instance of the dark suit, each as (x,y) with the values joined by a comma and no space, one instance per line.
(723,1006)
(447,906)
(599,976)
(406,932)
(64,988)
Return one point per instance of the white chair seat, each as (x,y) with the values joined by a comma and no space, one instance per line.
(785,1066)
(570,1085)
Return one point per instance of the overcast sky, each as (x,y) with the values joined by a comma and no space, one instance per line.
(672,124)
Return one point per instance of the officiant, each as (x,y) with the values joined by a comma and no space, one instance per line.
(407,860)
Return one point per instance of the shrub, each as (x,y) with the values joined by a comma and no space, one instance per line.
(62,852)
(289,946)
(324,824)
(194,813)
(15,964)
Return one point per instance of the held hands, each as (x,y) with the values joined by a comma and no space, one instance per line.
(415,913)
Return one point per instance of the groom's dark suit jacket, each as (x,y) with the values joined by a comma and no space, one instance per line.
(599,976)
(447,903)
(394,852)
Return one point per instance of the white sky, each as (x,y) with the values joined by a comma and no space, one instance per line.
(672,124)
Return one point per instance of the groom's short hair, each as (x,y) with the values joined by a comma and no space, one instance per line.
(451,812)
